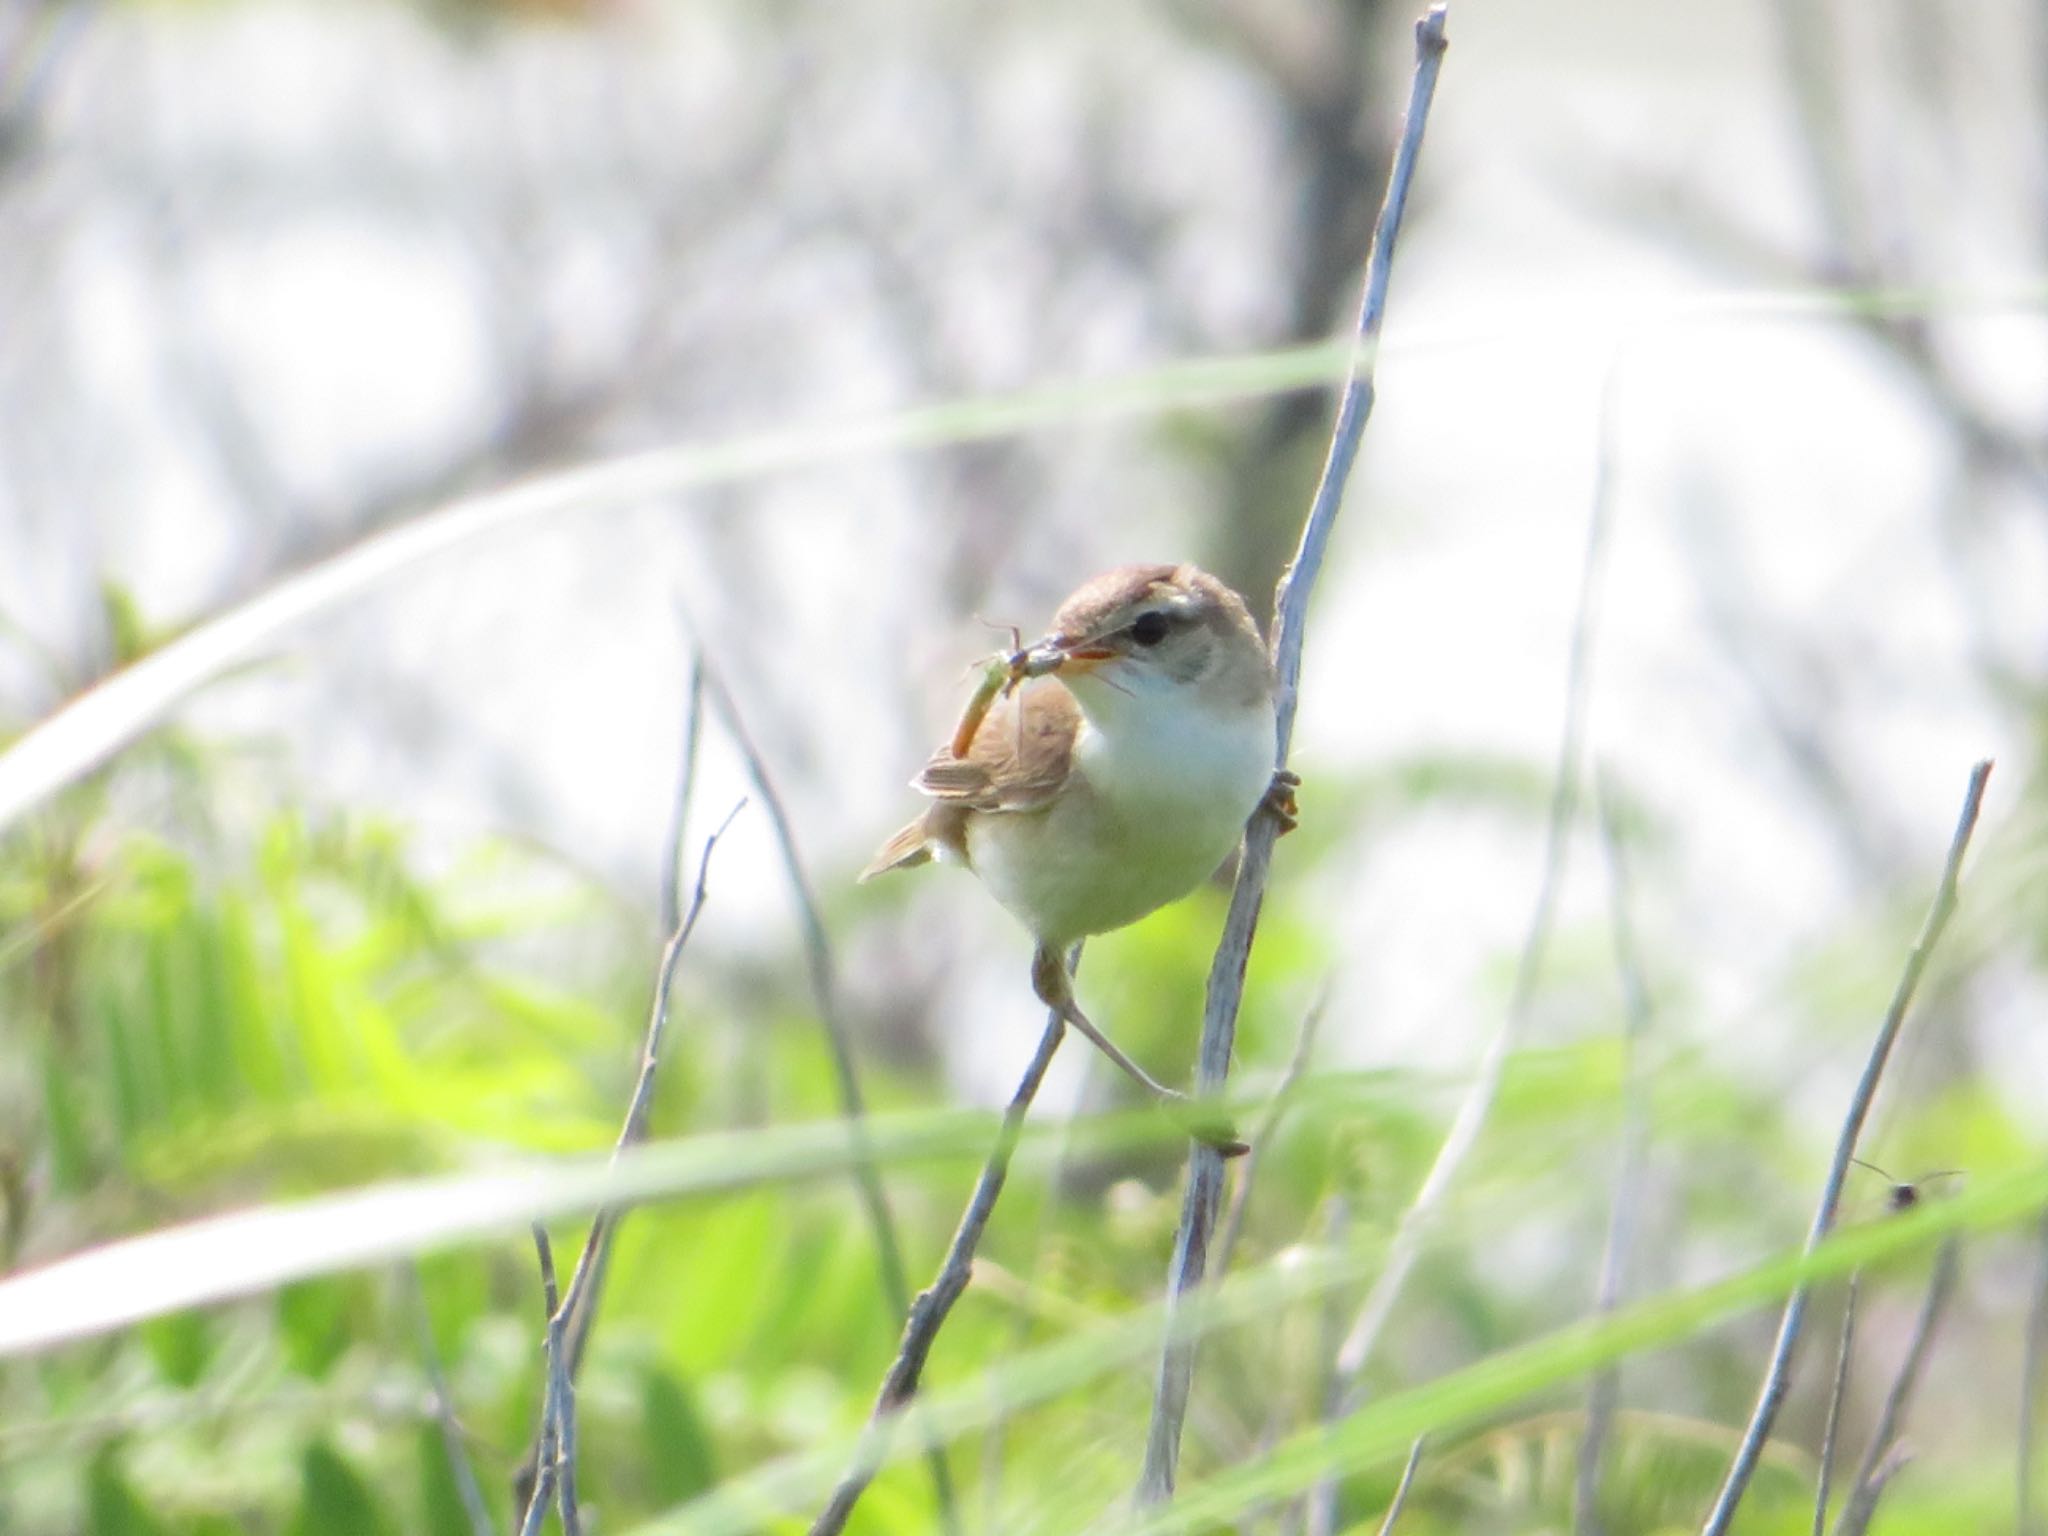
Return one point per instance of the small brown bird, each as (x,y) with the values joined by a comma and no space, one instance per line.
(1115,771)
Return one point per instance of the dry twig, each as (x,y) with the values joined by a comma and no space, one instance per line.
(825,998)
(576,1333)
(1262,1133)
(928,1315)
(460,1468)
(1401,1488)
(1837,1395)
(1876,1468)
(1778,1375)
(1226,973)
(2033,1351)
(557,1440)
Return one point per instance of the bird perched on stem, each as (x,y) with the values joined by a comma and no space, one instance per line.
(1107,770)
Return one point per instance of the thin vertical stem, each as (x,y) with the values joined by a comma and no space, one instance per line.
(1778,1374)
(548,1441)
(1401,1488)
(460,1468)
(1605,1389)
(819,968)
(1837,1396)
(1406,1248)
(557,1438)
(1872,1473)
(2033,1351)
(1233,951)
(929,1312)
(1263,1132)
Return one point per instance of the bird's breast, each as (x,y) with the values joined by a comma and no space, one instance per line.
(1180,775)
(1146,815)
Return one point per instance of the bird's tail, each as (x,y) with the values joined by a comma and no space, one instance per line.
(909,848)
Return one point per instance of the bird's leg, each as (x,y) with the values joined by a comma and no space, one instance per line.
(1279,800)
(1049,979)
(1055,988)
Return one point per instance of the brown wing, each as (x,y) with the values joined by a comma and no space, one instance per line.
(1019,758)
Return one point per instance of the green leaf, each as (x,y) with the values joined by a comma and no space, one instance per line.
(335,1500)
(180,1343)
(112,1506)
(681,1462)
(1380,1431)
(318,1319)
(439,1499)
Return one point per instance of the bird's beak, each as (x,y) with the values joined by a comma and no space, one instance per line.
(1055,654)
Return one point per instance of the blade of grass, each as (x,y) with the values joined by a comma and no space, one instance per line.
(221,1257)
(1401,1488)
(94,725)
(1379,1432)
(1263,1132)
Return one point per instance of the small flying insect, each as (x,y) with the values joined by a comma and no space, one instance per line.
(1902,1196)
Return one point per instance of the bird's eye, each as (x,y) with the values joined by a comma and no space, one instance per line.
(1149,628)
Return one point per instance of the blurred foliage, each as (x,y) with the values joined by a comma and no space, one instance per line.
(239,1013)
(216,994)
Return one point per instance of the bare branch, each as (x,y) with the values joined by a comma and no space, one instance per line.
(2033,1352)
(557,1440)
(1837,1395)
(936,1300)
(460,1469)
(1778,1375)
(1605,1388)
(993,1438)
(1872,1474)
(1263,1132)
(671,908)
(825,998)
(824,994)
(576,1334)
(562,1389)
(550,1460)
(1401,1488)
(1226,972)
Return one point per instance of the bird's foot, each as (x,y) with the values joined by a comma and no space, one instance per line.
(1279,801)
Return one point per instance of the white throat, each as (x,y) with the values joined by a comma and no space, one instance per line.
(1170,751)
